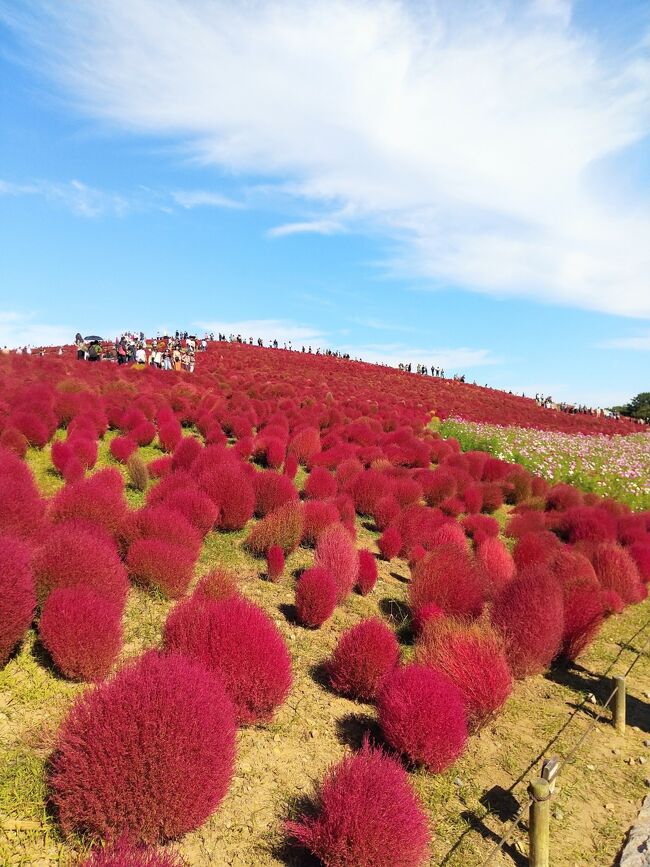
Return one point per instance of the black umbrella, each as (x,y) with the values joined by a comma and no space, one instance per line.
(93,338)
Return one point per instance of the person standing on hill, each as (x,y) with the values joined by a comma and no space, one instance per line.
(81,347)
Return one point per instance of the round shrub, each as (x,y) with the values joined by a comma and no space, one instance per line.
(386,509)
(138,472)
(471,656)
(496,561)
(282,527)
(124,854)
(562,497)
(316,594)
(185,453)
(164,565)
(318,514)
(163,522)
(17,595)
(616,570)
(98,498)
(449,533)
(367,572)
(529,613)
(218,584)
(160,467)
(320,484)
(305,444)
(14,441)
(274,562)
(422,716)
(368,816)
(121,448)
(236,638)
(588,523)
(169,435)
(492,494)
(337,554)
(524,523)
(232,492)
(79,553)
(22,508)
(535,548)
(390,543)
(640,553)
(82,631)
(196,507)
(148,755)
(448,577)
(572,569)
(421,615)
(584,615)
(271,491)
(438,486)
(368,487)
(363,658)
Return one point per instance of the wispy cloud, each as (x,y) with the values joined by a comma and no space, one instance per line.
(25,329)
(81,199)
(268,329)
(316,227)
(203,198)
(482,138)
(382,325)
(639,343)
(453,360)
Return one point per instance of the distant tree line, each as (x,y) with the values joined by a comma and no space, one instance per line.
(638,407)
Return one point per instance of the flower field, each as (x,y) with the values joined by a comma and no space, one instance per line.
(264,614)
(616,466)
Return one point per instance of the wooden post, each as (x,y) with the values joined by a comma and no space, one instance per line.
(538,823)
(619,705)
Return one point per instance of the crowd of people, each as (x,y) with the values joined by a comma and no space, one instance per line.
(547,402)
(177,352)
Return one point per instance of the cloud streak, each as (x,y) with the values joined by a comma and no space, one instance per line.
(478,138)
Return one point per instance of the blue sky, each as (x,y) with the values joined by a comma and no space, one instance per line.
(465,184)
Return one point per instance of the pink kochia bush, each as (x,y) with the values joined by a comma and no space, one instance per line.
(124,854)
(529,613)
(470,655)
(164,565)
(448,577)
(79,553)
(316,593)
(336,552)
(363,658)
(149,755)
(17,594)
(283,527)
(422,715)
(274,562)
(390,543)
(240,641)
(98,498)
(367,572)
(368,816)
(82,631)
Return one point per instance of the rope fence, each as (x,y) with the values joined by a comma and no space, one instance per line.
(541,789)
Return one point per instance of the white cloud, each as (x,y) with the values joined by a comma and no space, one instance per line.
(452,360)
(203,198)
(24,329)
(640,343)
(268,329)
(81,199)
(476,135)
(317,227)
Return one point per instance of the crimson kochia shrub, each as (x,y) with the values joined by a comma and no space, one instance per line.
(148,755)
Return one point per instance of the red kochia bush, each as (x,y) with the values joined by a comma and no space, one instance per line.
(320,484)
(318,515)
(283,527)
(14,441)
(196,507)
(368,816)
(535,548)
(617,571)
(448,577)
(218,584)
(80,553)
(367,572)
(316,594)
(529,613)
(480,527)
(422,715)
(386,508)
(98,498)
(496,562)
(562,496)
(82,632)
(390,543)
(274,562)
(124,854)
(163,522)
(185,453)
(148,755)
(584,614)
(169,435)
(21,513)
(236,638)
(164,565)
(363,658)
(272,490)
(336,552)
(470,655)
(17,595)
(121,448)
(640,553)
